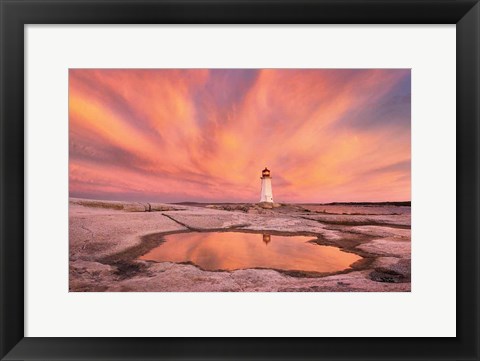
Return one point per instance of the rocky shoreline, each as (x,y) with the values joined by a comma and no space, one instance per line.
(106,238)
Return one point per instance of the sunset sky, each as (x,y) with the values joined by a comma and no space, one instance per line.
(205,135)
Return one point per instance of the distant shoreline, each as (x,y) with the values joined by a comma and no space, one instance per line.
(398,204)
(385,203)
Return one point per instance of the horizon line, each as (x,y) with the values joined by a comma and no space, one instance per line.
(240,202)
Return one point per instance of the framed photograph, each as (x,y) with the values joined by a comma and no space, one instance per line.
(197,138)
(240,180)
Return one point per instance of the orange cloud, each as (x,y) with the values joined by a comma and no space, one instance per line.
(204,135)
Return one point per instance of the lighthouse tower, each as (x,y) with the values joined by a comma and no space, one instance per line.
(266,194)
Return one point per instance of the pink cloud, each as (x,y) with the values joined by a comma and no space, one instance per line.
(205,135)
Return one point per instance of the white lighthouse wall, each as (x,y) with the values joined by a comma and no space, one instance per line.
(266,195)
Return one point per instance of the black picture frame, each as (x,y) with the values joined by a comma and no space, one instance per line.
(15,14)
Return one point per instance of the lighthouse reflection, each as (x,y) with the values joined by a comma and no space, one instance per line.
(266,238)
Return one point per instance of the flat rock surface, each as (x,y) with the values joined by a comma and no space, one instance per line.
(107,238)
(97,233)
(387,246)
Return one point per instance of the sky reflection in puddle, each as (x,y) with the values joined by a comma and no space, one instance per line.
(229,251)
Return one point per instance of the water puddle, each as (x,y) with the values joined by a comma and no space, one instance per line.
(214,251)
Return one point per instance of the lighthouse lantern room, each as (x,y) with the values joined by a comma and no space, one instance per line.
(266,194)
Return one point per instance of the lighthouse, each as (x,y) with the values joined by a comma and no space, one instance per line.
(266,194)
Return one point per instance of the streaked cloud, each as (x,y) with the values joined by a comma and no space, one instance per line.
(204,135)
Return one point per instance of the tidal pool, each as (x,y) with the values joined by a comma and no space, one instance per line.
(228,251)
